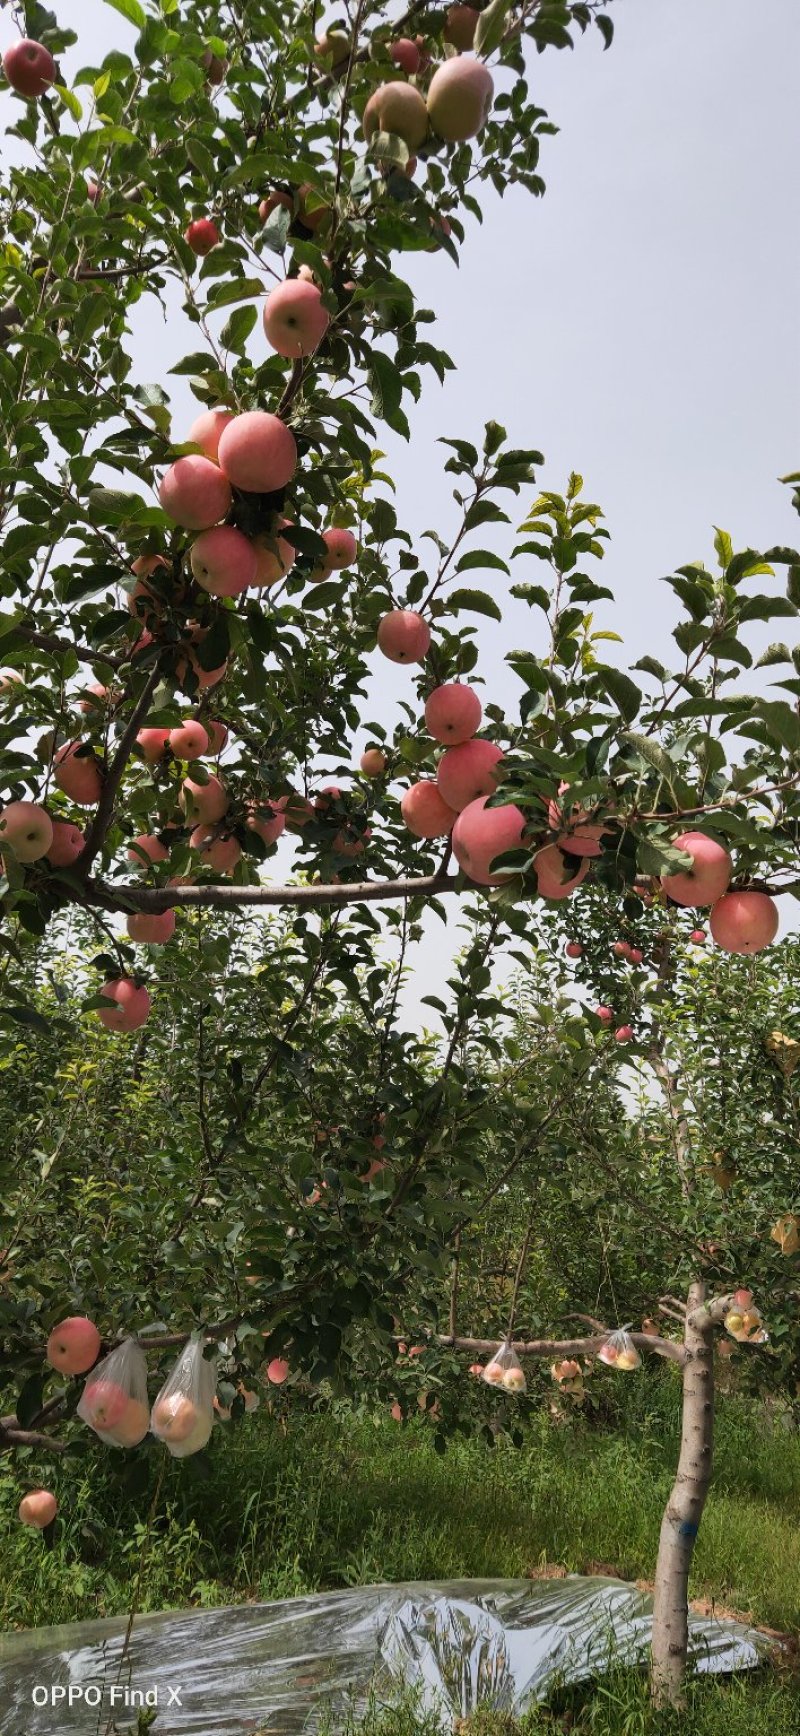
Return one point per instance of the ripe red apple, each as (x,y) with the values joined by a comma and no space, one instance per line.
(269,826)
(480,834)
(223,561)
(624,1034)
(203,677)
(469,771)
(460,26)
(220,852)
(39,1508)
(397,108)
(476,1369)
(74,1345)
(202,235)
(744,922)
(404,637)
(425,811)
(274,556)
(105,1403)
(573,949)
(68,842)
(405,54)
(277,1371)
(132,1426)
(297,809)
(206,431)
(94,698)
(553,875)
(27,830)
(459,98)
(94,192)
(257,452)
(271,203)
(217,734)
(147,844)
(709,875)
(142,600)
(29,67)
(493,1374)
(635,955)
(195,493)
(373,762)
(295,321)
(453,713)
(153,743)
(698,937)
(151,930)
(189,740)
(174,1417)
(576,836)
(342,549)
(132,1009)
(742,1300)
(79,777)
(206,803)
(604,1014)
(621,949)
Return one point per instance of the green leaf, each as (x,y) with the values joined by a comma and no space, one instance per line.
(656,857)
(239,289)
(70,101)
(477,602)
(624,692)
(237,329)
(480,558)
(490,26)
(724,547)
(131,10)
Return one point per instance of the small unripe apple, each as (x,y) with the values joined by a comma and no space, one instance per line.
(74,1345)
(27,830)
(39,1508)
(202,235)
(373,762)
(29,67)
(404,636)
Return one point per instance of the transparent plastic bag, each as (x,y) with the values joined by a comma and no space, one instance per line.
(745,1324)
(619,1350)
(114,1400)
(505,1369)
(183,1414)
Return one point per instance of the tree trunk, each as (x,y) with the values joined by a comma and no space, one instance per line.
(684,1509)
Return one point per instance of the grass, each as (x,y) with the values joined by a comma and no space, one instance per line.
(345,1499)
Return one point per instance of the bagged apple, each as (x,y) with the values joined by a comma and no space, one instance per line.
(183,1414)
(505,1369)
(619,1350)
(114,1399)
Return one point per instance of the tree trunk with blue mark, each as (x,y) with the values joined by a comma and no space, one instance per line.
(684,1509)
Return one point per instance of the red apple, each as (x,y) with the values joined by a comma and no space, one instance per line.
(460,98)
(105,1403)
(453,713)
(277,1371)
(269,826)
(469,771)
(397,108)
(460,26)
(404,637)
(195,493)
(153,743)
(189,740)
(217,734)
(80,777)
(425,811)
(223,561)
(206,803)
(151,930)
(480,834)
(39,1508)
(275,556)
(405,54)
(174,1417)
(202,235)
(342,549)
(709,875)
(29,67)
(149,846)
(373,763)
(68,842)
(621,949)
(698,937)
(220,852)
(132,1008)
(74,1345)
(573,949)
(744,922)
(27,830)
(604,1014)
(206,431)
(295,321)
(257,452)
(553,875)
(624,1034)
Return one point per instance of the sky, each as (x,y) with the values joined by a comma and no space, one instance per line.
(638,324)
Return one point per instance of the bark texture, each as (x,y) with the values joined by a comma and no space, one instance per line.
(684,1509)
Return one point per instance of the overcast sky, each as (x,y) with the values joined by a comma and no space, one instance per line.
(640,322)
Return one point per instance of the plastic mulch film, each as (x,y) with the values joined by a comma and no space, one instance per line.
(283,1668)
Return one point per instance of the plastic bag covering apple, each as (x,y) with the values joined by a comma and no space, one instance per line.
(619,1350)
(183,1414)
(114,1400)
(505,1369)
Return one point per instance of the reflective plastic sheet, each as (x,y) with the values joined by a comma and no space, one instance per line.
(272,1669)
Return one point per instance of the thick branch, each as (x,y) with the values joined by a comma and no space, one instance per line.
(129,896)
(543,1347)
